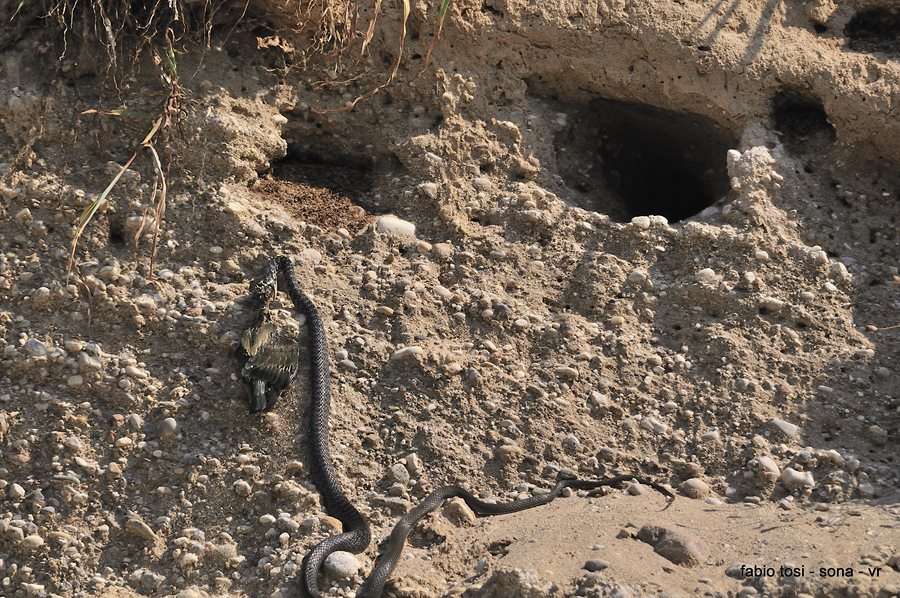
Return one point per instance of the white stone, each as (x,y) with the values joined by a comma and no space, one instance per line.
(695,488)
(795,480)
(641,222)
(429,190)
(788,429)
(768,466)
(341,565)
(706,276)
(654,425)
(406,352)
(395,227)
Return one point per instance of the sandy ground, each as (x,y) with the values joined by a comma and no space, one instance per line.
(655,238)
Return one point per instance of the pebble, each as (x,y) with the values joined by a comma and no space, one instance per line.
(395,227)
(414,465)
(635,489)
(595,565)
(768,466)
(341,565)
(32,542)
(482,184)
(135,372)
(16,492)
(706,276)
(641,222)
(35,348)
(397,473)
(429,190)
(332,524)
(654,425)
(795,480)
(137,527)
(695,488)
(242,488)
(788,429)
(458,512)
(677,546)
(88,364)
(405,353)
(167,427)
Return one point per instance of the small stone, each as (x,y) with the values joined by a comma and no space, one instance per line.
(405,353)
(109,273)
(768,466)
(482,184)
(242,488)
(384,310)
(75,380)
(35,348)
(641,222)
(397,473)
(23,217)
(595,565)
(167,427)
(788,429)
(706,276)
(332,524)
(429,190)
(796,480)
(877,434)
(458,512)
(414,465)
(635,489)
(677,546)
(564,371)
(32,542)
(136,527)
(442,252)
(88,364)
(73,346)
(637,277)
(341,565)
(395,227)
(188,560)
(695,488)
(712,436)
(654,425)
(16,492)
(135,372)
(34,589)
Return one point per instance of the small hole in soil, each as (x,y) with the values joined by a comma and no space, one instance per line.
(875,29)
(628,160)
(116,232)
(800,118)
(819,28)
(345,175)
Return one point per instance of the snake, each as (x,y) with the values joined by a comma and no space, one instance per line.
(270,365)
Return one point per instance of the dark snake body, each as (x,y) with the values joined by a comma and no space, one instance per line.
(357,536)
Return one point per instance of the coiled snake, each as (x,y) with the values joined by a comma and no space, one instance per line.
(269,366)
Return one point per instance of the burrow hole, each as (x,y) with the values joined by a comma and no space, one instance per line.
(875,29)
(627,159)
(344,174)
(801,121)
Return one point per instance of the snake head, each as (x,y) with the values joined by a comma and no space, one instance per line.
(265,288)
